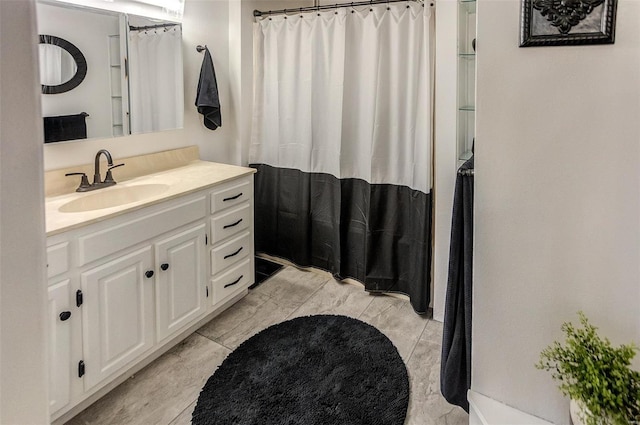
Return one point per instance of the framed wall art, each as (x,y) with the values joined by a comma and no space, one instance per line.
(567,22)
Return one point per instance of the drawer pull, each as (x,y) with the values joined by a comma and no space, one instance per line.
(149,274)
(232,198)
(231,225)
(234,254)
(164,266)
(234,282)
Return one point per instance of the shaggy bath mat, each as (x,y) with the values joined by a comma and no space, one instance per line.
(315,370)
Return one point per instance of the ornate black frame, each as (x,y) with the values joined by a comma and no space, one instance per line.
(606,36)
(77,55)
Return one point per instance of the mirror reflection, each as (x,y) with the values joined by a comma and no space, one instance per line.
(57,66)
(133,82)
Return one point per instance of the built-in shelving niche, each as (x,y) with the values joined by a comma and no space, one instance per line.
(466,119)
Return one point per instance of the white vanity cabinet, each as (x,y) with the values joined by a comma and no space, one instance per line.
(231,256)
(63,321)
(60,366)
(125,289)
(180,283)
(117,315)
(159,286)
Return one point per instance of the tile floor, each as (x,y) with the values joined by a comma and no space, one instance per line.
(165,392)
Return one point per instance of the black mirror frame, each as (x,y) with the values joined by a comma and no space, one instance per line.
(77,55)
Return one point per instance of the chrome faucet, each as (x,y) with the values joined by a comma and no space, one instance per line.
(97,182)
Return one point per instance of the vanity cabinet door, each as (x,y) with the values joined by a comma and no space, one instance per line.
(60,362)
(117,314)
(180,286)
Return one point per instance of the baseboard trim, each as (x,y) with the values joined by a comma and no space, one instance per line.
(487,411)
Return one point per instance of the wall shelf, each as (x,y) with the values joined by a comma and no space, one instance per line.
(466,73)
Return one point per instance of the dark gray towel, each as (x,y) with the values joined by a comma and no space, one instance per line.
(207,99)
(65,127)
(455,364)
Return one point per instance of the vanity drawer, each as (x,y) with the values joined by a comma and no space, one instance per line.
(231,252)
(228,283)
(57,259)
(231,222)
(231,194)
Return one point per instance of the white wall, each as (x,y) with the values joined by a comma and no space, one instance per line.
(89,32)
(557,219)
(204,22)
(446,159)
(23,298)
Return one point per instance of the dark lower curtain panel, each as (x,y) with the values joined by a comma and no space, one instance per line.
(378,234)
(455,364)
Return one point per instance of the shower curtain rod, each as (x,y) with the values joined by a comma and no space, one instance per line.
(258,13)
(151,27)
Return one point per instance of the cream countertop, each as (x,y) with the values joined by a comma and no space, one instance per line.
(189,178)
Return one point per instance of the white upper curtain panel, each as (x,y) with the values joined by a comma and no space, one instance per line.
(347,92)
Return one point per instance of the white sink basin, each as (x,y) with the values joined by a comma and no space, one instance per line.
(113,197)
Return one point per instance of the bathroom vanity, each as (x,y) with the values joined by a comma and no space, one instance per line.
(135,268)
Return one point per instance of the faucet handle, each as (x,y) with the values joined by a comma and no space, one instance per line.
(109,177)
(84,182)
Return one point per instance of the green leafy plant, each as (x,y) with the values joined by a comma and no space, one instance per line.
(591,371)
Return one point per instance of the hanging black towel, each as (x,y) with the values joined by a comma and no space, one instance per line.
(207,99)
(455,364)
(65,127)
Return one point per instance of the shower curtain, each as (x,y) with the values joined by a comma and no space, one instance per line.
(155,80)
(342,143)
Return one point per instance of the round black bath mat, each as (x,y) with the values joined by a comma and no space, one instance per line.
(315,370)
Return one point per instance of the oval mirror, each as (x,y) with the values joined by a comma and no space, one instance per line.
(62,65)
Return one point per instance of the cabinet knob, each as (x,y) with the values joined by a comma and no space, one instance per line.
(164,266)
(149,274)
(65,315)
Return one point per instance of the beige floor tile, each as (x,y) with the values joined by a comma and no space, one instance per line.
(291,287)
(335,297)
(433,332)
(225,323)
(396,319)
(267,314)
(184,418)
(457,416)
(427,406)
(161,391)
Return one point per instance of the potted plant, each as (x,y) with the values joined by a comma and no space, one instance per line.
(595,375)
